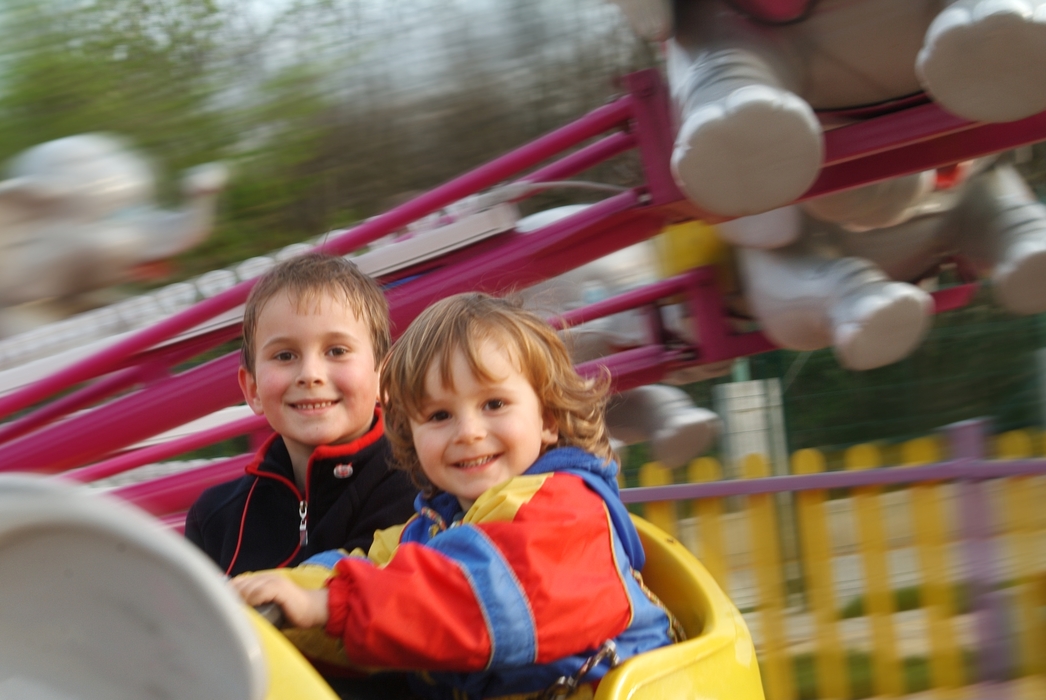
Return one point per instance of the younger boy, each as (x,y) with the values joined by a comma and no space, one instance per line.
(521,564)
(315,330)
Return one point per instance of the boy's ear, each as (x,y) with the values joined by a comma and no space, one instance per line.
(249,387)
(549,430)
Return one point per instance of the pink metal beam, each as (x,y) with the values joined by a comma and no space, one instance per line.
(861,155)
(156,409)
(632,368)
(654,134)
(584,158)
(891,131)
(149,366)
(953,297)
(83,397)
(710,318)
(157,453)
(526,259)
(626,301)
(115,355)
(177,492)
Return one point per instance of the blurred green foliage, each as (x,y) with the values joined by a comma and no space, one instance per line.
(137,68)
(329,111)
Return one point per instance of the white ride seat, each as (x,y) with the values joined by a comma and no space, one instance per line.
(98,601)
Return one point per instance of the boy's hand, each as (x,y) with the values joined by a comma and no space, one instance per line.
(302,607)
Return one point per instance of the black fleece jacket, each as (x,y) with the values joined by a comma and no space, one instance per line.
(255,522)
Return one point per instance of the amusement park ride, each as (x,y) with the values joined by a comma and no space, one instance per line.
(89,435)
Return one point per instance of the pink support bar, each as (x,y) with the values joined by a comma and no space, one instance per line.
(953,297)
(583,159)
(916,155)
(86,396)
(157,453)
(654,133)
(629,300)
(711,320)
(161,407)
(114,356)
(526,259)
(632,368)
(150,366)
(891,131)
(174,493)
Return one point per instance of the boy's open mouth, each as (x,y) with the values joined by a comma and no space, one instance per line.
(313,405)
(477,462)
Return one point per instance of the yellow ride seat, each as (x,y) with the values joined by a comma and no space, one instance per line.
(716,662)
(290,675)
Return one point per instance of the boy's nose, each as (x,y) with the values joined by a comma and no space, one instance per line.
(470,428)
(310,374)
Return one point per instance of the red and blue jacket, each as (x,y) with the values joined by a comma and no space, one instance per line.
(508,597)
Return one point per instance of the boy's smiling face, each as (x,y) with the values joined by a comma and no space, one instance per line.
(315,377)
(473,435)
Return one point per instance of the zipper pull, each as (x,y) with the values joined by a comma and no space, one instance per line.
(303,533)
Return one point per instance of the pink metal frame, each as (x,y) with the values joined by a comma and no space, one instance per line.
(915,138)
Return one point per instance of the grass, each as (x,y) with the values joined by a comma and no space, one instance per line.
(859,668)
(909,598)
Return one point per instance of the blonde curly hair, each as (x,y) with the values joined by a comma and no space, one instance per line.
(462,323)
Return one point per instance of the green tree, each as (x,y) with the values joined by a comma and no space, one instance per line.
(146,69)
(329,111)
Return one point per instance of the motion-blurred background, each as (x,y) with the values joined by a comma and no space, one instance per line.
(331,111)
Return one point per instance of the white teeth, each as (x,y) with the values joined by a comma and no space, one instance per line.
(474,462)
(313,406)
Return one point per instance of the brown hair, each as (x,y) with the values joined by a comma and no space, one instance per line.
(462,323)
(306,277)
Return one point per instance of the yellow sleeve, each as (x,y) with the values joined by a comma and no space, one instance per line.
(309,576)
(385,543)
(313,643)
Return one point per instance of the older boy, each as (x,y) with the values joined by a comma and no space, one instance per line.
(315,330)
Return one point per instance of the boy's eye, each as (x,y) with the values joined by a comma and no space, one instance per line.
(494,404)
(284,356)
(437,416)
(339,351)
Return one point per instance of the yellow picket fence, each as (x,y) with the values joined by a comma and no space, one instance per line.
(935,586)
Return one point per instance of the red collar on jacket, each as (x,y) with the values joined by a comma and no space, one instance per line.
(321,452)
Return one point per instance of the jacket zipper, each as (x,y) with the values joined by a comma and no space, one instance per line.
(303,532)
